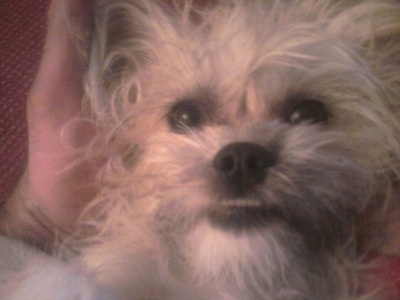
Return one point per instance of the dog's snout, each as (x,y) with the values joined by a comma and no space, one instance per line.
(244,164)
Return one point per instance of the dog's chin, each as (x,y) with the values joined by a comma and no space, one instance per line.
(220,253)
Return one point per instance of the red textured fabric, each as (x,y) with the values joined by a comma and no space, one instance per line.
(22,30)
(387,275)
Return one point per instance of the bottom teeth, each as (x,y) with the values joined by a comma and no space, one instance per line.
(241,214)
(240,203)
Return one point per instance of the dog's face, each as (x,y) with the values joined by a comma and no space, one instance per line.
(249,138)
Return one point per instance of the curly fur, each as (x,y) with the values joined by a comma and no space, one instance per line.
(245,63)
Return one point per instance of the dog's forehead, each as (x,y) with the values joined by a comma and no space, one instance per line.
(255,52)
(242,38)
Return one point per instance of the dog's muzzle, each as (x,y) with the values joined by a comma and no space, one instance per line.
(241,167)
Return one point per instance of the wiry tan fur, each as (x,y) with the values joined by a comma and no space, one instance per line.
(245,63)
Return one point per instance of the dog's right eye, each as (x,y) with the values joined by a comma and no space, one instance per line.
(309,111)
(185,114)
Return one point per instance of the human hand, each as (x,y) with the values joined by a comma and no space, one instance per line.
(58,180)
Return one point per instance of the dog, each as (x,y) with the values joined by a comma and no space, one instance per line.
(251,152)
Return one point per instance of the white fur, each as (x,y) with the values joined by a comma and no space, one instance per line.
(146,236)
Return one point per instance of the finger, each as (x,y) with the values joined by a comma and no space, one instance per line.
(56,172)
(57,90)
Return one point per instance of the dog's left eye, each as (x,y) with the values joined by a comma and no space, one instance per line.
(185,114)
(310,111)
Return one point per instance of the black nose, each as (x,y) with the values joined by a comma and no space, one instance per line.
(243,165)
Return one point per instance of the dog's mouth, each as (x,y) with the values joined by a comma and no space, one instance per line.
(242,215)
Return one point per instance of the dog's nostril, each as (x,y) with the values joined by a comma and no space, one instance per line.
(243,164)
(226,163)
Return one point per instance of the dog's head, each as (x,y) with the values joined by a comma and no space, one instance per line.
(249,138)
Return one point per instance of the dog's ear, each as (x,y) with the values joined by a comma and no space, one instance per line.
(374,27)
(114,51)
(120,46)
(369,20)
